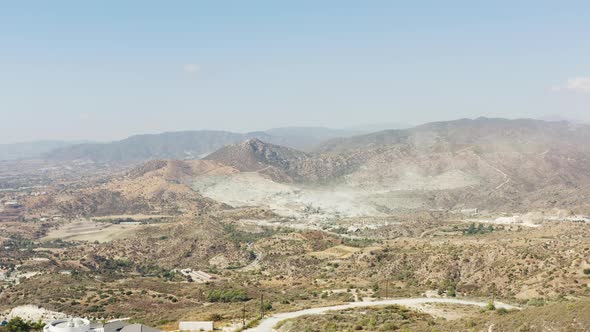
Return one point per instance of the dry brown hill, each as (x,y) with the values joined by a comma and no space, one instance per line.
(155,187)
(490,163)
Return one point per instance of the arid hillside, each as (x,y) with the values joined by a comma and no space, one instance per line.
(495,164)
(443,211)
(156,187)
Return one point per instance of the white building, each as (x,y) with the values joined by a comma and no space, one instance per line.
(83,325)
(197,276)
(69,325)
(195,326)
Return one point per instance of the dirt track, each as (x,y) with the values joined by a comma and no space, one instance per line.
(267,324)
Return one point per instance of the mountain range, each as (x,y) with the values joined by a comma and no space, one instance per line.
(494,164)
(190,144)
(29,150)
(196,144)
(175,145)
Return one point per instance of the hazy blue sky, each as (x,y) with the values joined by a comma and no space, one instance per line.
(107,69)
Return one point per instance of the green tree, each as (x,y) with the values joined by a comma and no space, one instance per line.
(37,326)
(17,324)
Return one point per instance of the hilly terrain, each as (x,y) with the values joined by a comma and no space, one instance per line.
(483,210)
(510,165)
(497,165)
(156,187)
(493,134)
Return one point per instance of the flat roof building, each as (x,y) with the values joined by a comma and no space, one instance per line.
(195,326)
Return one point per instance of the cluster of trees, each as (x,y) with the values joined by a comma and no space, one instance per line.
(17,324)
(480,229)
(235,235)
(58,243)
(110,264)
(227,295)
(152,270)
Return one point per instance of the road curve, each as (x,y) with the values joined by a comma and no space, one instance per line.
(267,324)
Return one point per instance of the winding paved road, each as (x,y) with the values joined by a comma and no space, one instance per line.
(267,324)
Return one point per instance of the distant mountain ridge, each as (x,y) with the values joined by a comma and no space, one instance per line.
(189,144)
(171,145)
(307,138)
(30,150)
(493,133)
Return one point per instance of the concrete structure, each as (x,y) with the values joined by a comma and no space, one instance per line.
(138,328)
(195,326)
(197,276)
(69,325)
(470,212)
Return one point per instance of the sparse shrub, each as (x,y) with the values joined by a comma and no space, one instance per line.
(502,311)
(229,295)
(490,306)
(215,317)
(536,302)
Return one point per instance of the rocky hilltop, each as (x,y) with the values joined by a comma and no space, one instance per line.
(285,164)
